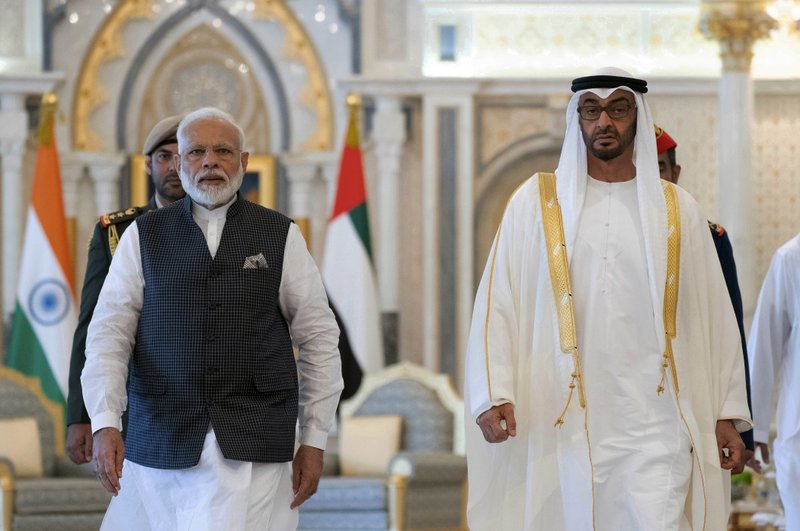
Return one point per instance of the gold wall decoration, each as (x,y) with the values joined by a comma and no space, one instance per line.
(89,93)
(204,68)
(737,25)
(299,46)
(107,45)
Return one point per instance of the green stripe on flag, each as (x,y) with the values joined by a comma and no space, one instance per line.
(26,355)
(360,218)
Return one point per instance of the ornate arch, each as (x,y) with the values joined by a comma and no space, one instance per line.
(299,46)
(172,27)
(511,167)
(107,45)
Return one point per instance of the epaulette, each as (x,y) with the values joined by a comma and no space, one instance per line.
(109,221)
(717,229)
(119,217)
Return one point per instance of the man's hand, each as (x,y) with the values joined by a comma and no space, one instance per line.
(754,463)
(306,470)
(79,443)
(728,438)
(491,424)
(109,451)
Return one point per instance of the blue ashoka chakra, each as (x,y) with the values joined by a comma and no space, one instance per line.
(49,302)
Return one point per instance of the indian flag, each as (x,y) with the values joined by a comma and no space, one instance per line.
(347,263)
(45,315)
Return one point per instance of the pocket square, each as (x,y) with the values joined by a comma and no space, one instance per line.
(255,262)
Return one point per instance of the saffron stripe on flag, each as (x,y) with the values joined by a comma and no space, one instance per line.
(45,317)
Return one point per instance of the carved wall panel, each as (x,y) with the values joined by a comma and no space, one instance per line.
(203,68)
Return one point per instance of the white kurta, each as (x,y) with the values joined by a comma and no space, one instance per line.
(218,493)
(642,448)
(774,351)
(546,477)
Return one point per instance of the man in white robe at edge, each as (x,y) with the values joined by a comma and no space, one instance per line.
(774,350)
(201,324)
(634,458)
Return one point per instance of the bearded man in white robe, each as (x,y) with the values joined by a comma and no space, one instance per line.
(636,425)
(774,348)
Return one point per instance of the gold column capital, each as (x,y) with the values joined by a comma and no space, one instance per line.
(737,25)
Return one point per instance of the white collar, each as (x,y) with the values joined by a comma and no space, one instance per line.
(217,213)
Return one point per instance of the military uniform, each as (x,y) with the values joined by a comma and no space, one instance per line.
(725,254)
(105,238)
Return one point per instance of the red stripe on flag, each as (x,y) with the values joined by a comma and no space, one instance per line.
(350,190)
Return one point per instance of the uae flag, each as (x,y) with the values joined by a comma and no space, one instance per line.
(347,267)
(45,316)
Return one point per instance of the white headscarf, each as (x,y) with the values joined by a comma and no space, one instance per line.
(572,181)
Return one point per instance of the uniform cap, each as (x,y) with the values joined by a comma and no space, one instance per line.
(664,142)
(164,132)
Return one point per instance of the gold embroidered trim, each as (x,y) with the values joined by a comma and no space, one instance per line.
(591,463)
(556,246)
(670,320)
(695,458)
(113,239)
(489,294)
(489,308)
(671,285)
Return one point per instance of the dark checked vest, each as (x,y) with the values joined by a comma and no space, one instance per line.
(212,345)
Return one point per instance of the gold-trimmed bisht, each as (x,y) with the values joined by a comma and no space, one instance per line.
(559,279)
(495,246)
(671,285)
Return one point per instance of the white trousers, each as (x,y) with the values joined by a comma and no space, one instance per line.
(787,475)
(216,494)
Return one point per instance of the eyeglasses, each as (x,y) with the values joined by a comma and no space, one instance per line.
(616,110)
(196,153)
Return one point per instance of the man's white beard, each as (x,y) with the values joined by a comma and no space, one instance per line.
(212,197)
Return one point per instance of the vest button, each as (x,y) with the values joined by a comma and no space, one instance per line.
(212,370)
(211,337)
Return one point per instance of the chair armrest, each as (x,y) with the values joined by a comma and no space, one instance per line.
(6,470)
(7,488)
(421,467)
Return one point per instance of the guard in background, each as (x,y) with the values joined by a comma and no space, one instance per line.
(160,148)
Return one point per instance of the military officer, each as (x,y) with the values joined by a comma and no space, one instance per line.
(670,171)
(160,148)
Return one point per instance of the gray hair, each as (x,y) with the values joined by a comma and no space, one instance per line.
(206,113)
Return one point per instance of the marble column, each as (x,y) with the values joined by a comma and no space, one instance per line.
(737,25)
(104,170)
(72,168)
(13,133)
(388,135)
(448,172)
(305,171)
